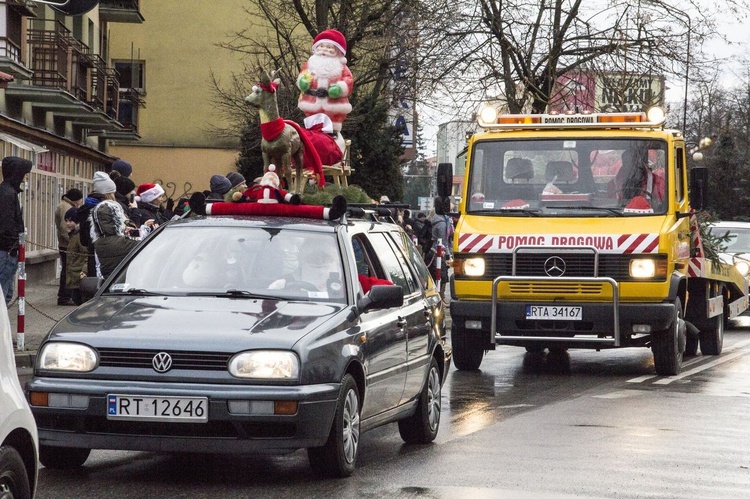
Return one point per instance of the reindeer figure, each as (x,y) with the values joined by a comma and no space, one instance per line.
(280,143)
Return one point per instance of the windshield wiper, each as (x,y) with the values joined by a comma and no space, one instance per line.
(614,211)
(525,211)
(234,293)
(135,291)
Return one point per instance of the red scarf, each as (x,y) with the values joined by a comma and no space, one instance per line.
(271,130)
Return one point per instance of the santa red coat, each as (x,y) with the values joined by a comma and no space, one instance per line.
(266,194)
(337,108)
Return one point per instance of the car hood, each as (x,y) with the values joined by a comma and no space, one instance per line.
(191,323)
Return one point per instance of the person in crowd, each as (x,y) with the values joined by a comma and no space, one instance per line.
(151,200)
(108,234)
(441,231)
(238,183)
(220,185)
(124,192)
(14,170)
(70,200)
(122,167)
(103,188)
(76,257)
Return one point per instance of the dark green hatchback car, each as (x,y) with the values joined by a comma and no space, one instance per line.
(233,334)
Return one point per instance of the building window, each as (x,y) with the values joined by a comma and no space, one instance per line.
(131,74)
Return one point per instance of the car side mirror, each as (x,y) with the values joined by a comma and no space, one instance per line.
(89,286)
(380,297)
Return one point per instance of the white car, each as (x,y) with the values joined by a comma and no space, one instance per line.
(737,247)
(19,442)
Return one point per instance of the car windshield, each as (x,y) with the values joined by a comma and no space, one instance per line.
(738,240)
(568,177)
(236,262)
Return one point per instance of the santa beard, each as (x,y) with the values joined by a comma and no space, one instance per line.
(325,67)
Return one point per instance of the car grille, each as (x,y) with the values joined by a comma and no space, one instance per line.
(125,357)
(576,265)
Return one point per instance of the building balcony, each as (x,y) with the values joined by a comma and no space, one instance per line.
(120,11)
(12,60)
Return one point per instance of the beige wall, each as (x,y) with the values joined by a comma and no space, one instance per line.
(177,169)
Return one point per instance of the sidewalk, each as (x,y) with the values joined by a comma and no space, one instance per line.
(42,312)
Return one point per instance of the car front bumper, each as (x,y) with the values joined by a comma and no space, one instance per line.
(224,432)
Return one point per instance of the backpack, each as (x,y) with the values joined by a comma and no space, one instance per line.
(424,234)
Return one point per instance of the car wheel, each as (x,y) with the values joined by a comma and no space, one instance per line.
(467,350)
(422,426)
(338,457)
(62,458)
(668,345)
(14,481)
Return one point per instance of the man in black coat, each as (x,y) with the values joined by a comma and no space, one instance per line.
(15,170)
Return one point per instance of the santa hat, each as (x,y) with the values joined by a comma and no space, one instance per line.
(638,204)
(148,192)
(270,178)
(516,204)
(333,37)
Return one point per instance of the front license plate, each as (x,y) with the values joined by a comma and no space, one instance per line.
(553,313)
(173,409)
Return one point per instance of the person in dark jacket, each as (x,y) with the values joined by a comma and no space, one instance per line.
(108,233)
(75,256)
(103,188)
(70,200)
(151,199)
(14,170)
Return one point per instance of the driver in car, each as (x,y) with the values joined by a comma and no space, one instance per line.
(319,275)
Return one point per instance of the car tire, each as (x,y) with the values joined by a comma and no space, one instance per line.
(338,457)
(14,481)
(62,458)
(668,345)
(422,426)
(467,350)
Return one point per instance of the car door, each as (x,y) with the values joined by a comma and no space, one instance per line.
(384,336)
(414,313)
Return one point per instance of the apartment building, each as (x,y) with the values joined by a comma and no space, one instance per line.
(60,105)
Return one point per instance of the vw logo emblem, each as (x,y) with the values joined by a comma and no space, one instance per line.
(554,266)
(162,362)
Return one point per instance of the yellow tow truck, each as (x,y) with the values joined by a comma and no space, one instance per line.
(579,231)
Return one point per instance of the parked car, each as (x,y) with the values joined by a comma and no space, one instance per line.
(248,334)
(737,246)
(18,434)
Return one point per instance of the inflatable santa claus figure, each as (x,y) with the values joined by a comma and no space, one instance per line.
(325,81)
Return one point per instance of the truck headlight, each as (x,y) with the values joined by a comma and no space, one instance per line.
(473,267)
(742,266)
(642,268)
(62,356)
(265,364)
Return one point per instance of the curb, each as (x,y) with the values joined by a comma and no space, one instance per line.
(26,358)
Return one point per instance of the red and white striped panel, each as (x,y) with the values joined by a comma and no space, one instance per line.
(606,243)
(696,267)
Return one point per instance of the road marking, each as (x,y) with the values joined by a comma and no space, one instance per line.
(703,367)
(641,379)
(620,394)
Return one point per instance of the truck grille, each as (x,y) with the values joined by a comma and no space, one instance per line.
(576,265)
(132,358)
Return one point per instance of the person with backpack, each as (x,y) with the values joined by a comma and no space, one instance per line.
(423,230)
(441,230)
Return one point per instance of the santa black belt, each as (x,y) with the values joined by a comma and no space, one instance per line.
(317,92)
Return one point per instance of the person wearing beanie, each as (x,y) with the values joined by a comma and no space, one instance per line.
(219,185)
(103,184)
(15,170)
(71,200)
(108,224)
(325,81)
(238,186)
(122,167)
(75,258)
(103,188)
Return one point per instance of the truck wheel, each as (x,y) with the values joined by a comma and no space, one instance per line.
(669,344)
(691,346)
(62,458)
(467,349)
(712,337)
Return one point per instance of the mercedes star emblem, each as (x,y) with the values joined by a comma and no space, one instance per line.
(554,266)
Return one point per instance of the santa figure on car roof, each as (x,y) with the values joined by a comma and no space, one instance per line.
(325,81)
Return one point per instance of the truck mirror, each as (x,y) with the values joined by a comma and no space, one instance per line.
(698,187)
(444,180)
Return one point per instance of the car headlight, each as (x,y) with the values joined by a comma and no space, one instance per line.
(265,364)
(473,267)
(62,356)
(743,266)
(642,268)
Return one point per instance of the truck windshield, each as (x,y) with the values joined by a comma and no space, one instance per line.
(568,177)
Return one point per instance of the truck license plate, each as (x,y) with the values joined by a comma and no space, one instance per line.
(553,313)
(172,409)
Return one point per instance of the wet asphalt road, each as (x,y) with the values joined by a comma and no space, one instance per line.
(584,424)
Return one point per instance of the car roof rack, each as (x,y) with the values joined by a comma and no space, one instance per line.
(375,212)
